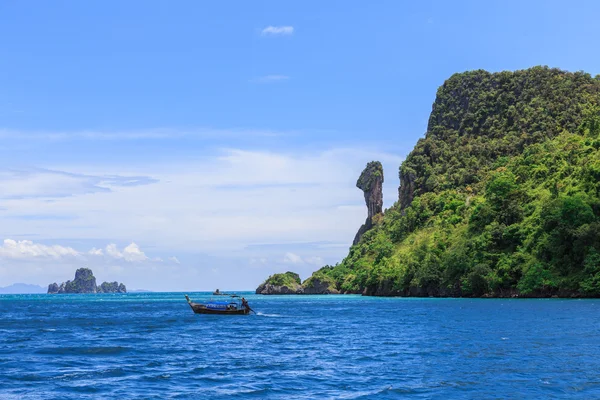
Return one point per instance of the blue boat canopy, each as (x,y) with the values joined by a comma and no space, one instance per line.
(219,305)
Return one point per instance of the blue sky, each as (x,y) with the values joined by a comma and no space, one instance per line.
(229,135)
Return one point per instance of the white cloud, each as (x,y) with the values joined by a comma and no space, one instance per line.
(286,198)
(291,258)
(271,79)
(38,182)
(24,249)
(277,30)
(132,253)
(174,259)
(113,251)
(96,252)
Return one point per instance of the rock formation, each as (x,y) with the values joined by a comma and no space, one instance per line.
(286,283)
(85,282)
(111,287)
(316,285)
(289,283)
(370,182)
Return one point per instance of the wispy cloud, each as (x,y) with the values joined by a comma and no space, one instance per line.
(39,182)
(290,197)
(130,135)
(271,79)
(277,30)
(291,258)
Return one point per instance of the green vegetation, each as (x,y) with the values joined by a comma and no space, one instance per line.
(289,279)
(501,197)
(320,282)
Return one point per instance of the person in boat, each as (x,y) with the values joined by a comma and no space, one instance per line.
(245,303)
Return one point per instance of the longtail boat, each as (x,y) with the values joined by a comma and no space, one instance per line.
(234,306)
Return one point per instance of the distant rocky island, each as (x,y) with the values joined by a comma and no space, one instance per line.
(85,282)
(500,198)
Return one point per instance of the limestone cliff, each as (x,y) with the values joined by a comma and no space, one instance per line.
(371,183)
(85,282)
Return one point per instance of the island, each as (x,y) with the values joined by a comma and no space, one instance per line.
(85,282)
(289,283)
(500,198)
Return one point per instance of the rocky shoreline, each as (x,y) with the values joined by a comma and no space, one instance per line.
(289,284)
(419,293)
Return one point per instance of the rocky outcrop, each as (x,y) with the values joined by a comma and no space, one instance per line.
(85,282)
(112,287)
(371,183)
(319,286)
(53,288)
(283,289)
(289,283)
(286,283)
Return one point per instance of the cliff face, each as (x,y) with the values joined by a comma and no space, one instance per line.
(85,282)
(371,183)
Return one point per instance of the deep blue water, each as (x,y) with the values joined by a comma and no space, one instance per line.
(152,346)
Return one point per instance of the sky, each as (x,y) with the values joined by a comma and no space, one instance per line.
(179,146)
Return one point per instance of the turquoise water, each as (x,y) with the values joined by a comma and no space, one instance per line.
(151,345)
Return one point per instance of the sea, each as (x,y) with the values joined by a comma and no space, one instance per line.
(152,346)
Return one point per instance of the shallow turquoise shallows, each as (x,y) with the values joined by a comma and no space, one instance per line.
(152,346)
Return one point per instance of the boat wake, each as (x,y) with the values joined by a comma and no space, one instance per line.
(268,315)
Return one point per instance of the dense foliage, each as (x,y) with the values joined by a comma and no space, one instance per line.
(501,197)
(289,279)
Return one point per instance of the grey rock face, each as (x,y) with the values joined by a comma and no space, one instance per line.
(112,287)
(317,286)
(52,288)
(371,183)
(272,289)
(406,191)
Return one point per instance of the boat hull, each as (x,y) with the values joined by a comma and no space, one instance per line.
(200,309)
(203,309)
